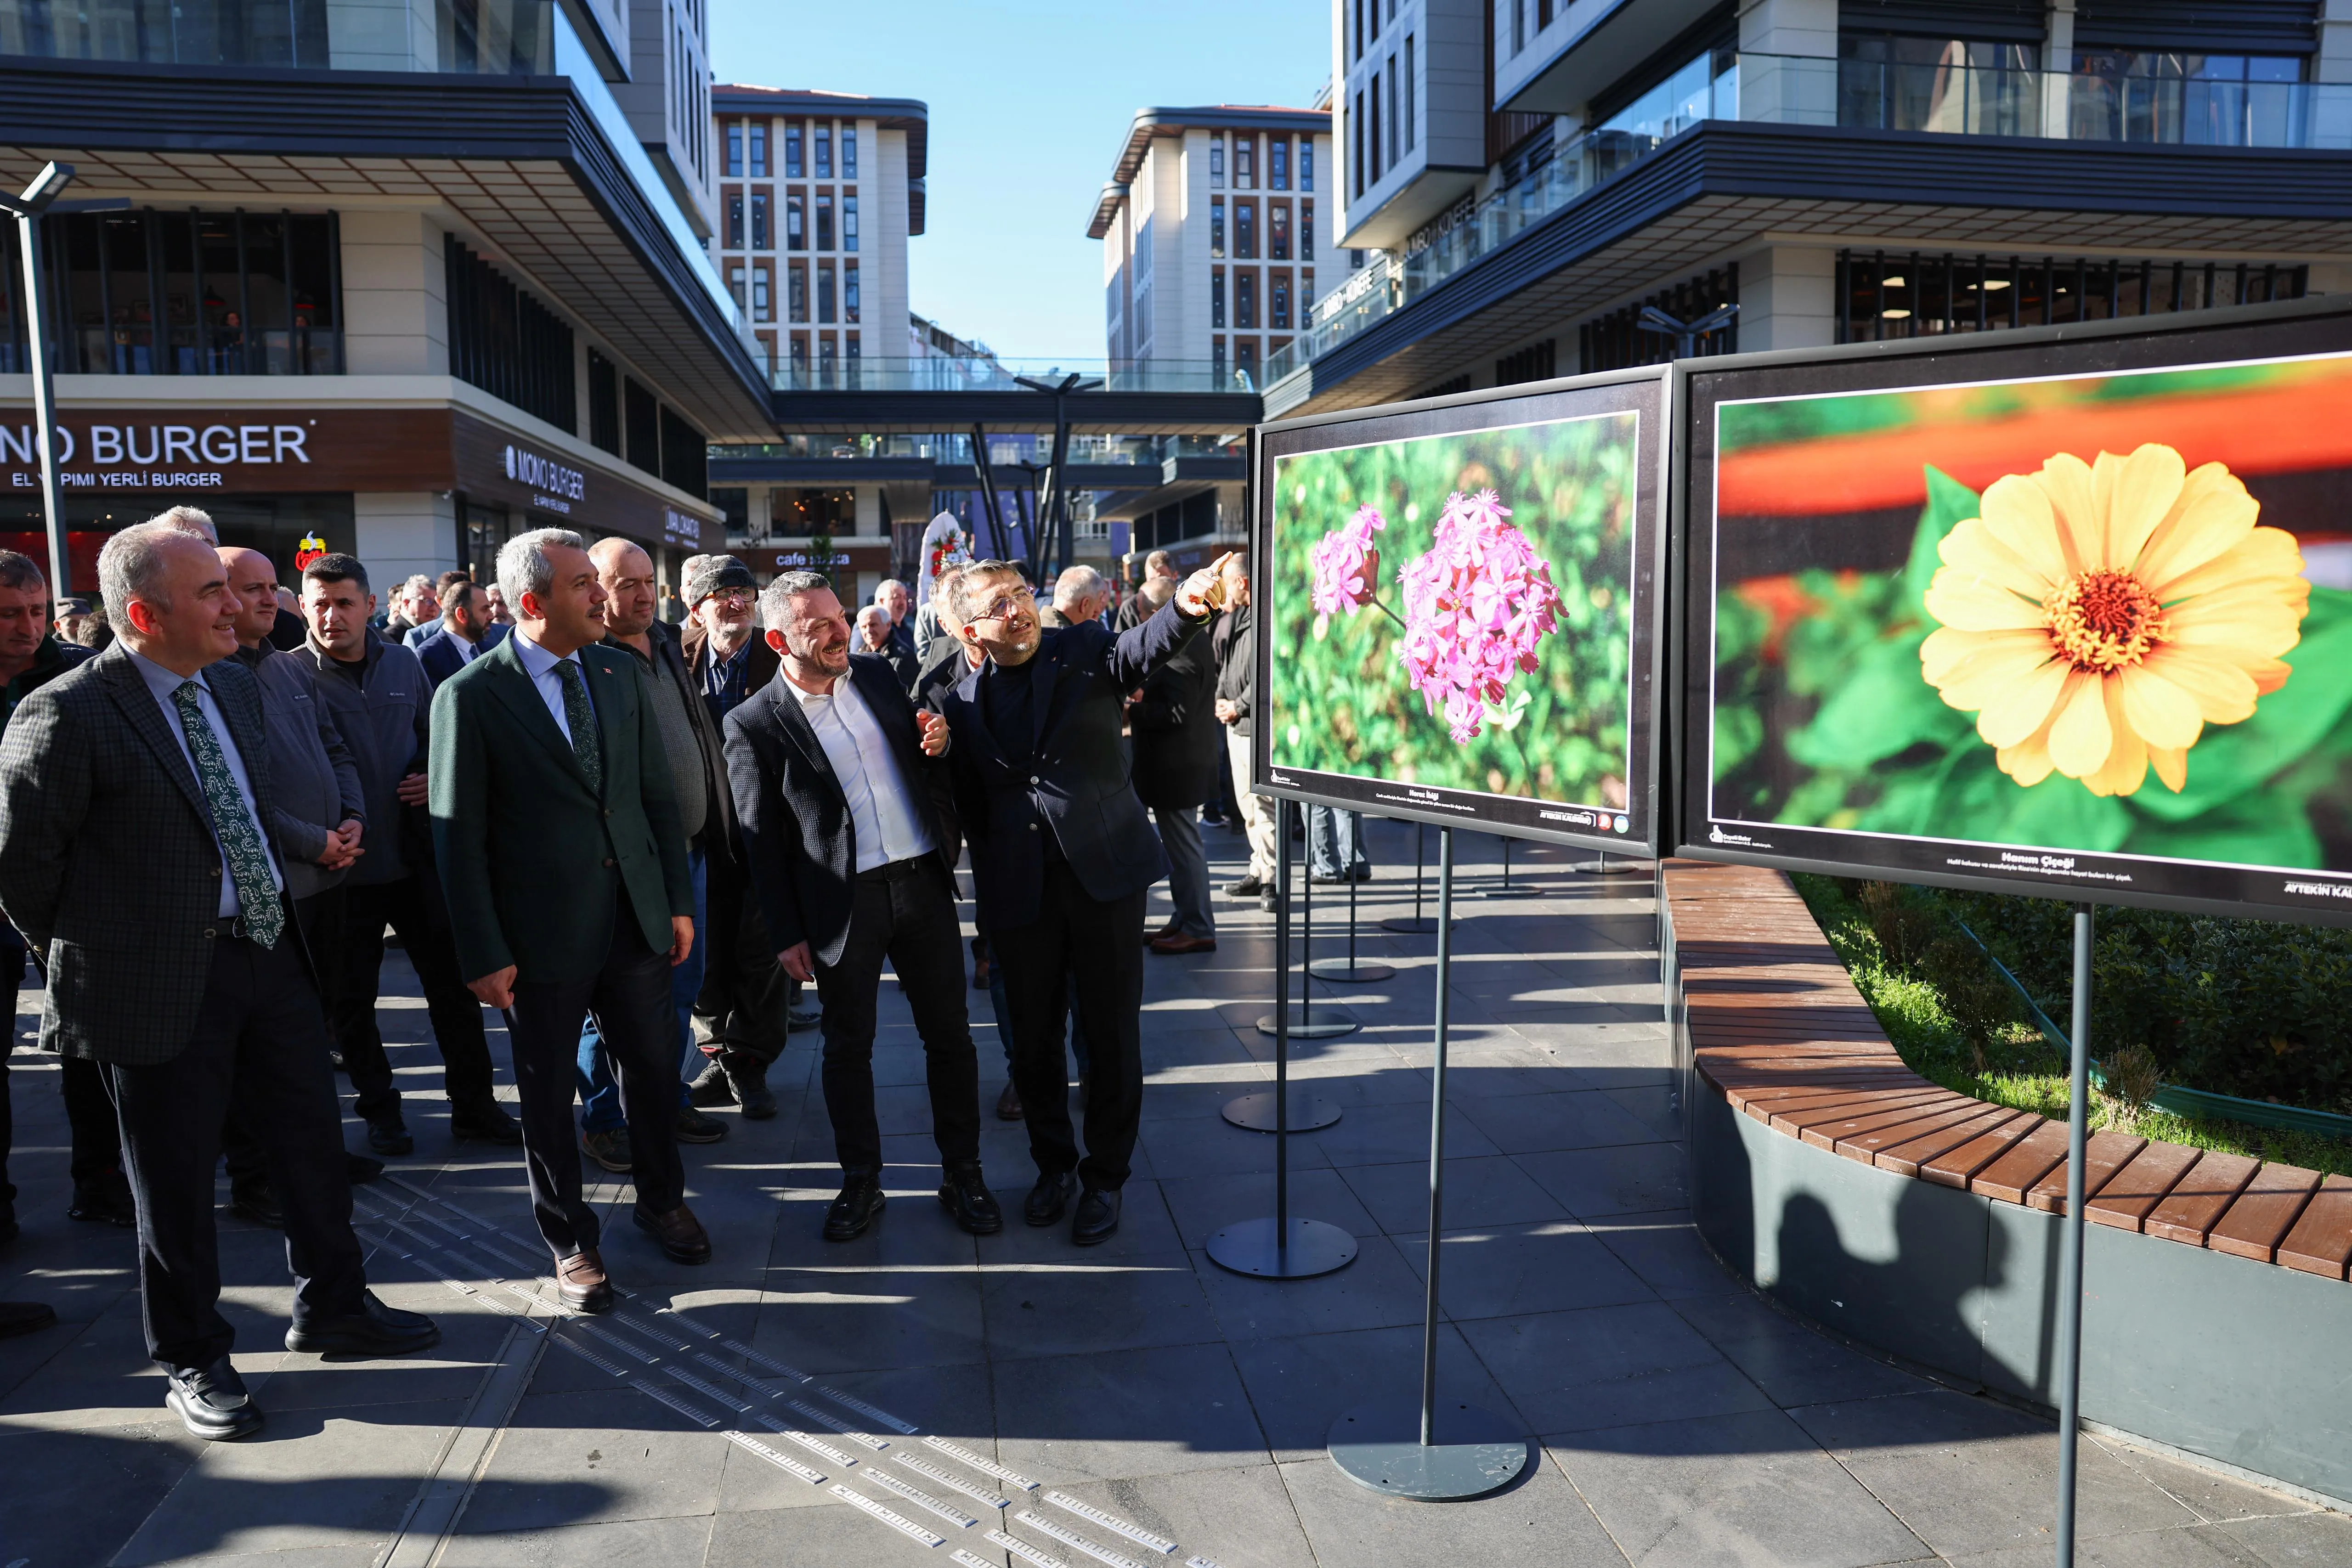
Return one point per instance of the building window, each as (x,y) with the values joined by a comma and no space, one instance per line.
(502,339)
(1306,231)
(736,284)
(760,150)
(1356,260)
(792,152)
(1910,295)
(849,292)
(799,351)
(641,425)
(1614,341)
(735,151)
(761,239)
(1278,230)
(1216,359)
(796,292)
(1245,299)
(849,153)
(1245,162)
(1533,363)
(1305,294)
(763,306)
(1217,298)
(1245,359)
(1356,128)
(828,357)
(1217,162)
(1217,226)
(823,221)
(1396,118)
(849,220)
(735,222)
(1360,27)
(1372,134)
(2224,100)
(1246,230)
(825,152)
(825,312)
(1277,163)
(796,237)
(1306,163)
(603,404)
(1280,304)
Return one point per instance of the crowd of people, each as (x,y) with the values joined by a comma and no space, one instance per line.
(636,841)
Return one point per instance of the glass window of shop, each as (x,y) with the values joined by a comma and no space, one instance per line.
(802,513)
(274,524)
(154,292)
(500,37)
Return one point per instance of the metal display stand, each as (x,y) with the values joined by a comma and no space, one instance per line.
(2070,1253)
(1277,1246)
(1349,970)
(1435,1450)
(1306,1022)
(1284,1110)
(1604,866)
(1504,889)
(1416,924)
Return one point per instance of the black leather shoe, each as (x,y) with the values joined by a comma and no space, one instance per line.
(484,1121)
(966,1195)
(748,1082)
(1050,1199)
(1098,1219)
(1250,886)
(254,1199)
(105,1200)
(389,1135)
(858,1206)
(374,1329)
(25,1317)
(212,1402)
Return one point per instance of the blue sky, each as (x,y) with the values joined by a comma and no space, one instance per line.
(1029,105)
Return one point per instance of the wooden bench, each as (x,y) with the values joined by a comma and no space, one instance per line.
(1776,1027)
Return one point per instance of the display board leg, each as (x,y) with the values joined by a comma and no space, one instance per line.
(1604,866)
(1277,1246)
(1308,1021)
(1435,1450)
(1349,971)
(1417,924)
(2070,1255)
(1503,889)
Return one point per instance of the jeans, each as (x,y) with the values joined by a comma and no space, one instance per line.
(1256,811)
(599,1091)
(1335,840)
(1188,869)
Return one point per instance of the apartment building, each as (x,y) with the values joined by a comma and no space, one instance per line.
(1526,176)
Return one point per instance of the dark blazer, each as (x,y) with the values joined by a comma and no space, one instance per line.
(107,864)
(384,718)
(443,655)
(1179,744)
(798,837)
(312,772)
(1078,787)
(528,855)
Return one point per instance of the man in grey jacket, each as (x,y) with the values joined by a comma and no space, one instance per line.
(378,696)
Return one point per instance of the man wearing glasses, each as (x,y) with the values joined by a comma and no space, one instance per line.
(1063,856)
(724,656)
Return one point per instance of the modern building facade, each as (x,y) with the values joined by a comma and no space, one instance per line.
(407,279)
(1528,175)
(819,193)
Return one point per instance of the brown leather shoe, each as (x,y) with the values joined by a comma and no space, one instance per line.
(1176,942)
(580,1282)
(681,1235)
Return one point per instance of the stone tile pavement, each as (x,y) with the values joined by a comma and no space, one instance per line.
(1682,1419)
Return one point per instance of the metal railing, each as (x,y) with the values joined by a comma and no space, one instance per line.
(959,373)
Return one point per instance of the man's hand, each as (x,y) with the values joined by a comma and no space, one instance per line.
(935,734)
(343,847)
(681,939)
(1226,712)
(798,962)
(495,988)
(414,789)
(1203,592)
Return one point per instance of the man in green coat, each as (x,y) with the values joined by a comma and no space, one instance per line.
(556,826)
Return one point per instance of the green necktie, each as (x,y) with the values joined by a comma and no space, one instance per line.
(580,717)
(233,823)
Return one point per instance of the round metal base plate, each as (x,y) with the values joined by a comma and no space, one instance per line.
(1311,1023)
(1307,1248)
(1605,868)
(1255,1112)
(1347,974)
(1379,1445)
(1412,925)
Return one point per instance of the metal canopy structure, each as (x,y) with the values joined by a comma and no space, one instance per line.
(1024,413)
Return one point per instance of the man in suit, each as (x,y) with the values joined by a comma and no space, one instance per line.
(445,588)
(829,764)
(134,792)
(898,601)
(465,633)
(555,819)
(1064,854)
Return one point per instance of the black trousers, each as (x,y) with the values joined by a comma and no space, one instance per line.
(630,997)
(739,1012)
(261,1039)
(1084,945)
(97,1146)
(903,912)
(412,907)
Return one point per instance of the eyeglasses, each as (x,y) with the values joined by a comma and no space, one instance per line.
(1014,600)
(734,596)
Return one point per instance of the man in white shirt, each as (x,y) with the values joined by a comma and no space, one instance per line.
(829,768)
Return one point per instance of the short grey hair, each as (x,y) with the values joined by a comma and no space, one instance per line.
(776,603)
(416,581)
(875,612)
(964,593)
(943,584)
(1159,564)
(1077,585)
(188,520)
(523,566)
(886,585)
(131,566)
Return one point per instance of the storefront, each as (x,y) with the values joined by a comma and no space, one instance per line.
(857,565)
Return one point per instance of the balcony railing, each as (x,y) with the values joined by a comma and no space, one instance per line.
(1790,90)
(961,374)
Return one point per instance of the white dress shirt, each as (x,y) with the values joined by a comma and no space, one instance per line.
(539,665)
(884,822)
(164,682)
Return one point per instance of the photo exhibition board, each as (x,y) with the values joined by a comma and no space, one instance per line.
(1458,610)
(2066,617)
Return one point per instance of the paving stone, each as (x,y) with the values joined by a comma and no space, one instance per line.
(1520,1124)
(1665,1250)
(74,1496)
(1507,1270)
(570,1458)
(636,1543)
(1537,1522)
(1610,1367)
(1239,1518)
(1203,1204)
(1124,1414)
(1792,1363)
(2308,1539)
(1595,1182)
(1378,1289)
(1079,1306)
(1492,1191)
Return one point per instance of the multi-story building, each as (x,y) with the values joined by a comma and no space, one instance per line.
(1528,175)
(407,279)
(819,193)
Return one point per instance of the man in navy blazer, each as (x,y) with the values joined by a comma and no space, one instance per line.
(1064,854)
(464,634)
